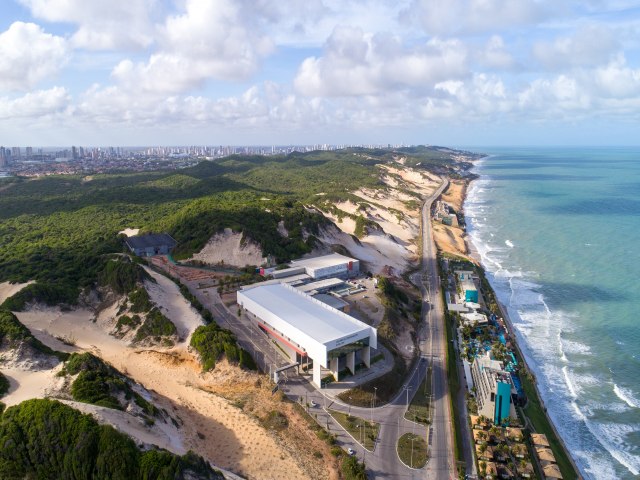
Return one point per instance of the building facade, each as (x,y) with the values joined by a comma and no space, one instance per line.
(311,332)
(493,389)
(150,245)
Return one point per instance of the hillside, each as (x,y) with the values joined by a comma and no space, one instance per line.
(55,229)
(51,440)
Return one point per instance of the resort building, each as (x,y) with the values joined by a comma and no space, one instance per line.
(150,245)
(493,389)
(311,332)
(466,281)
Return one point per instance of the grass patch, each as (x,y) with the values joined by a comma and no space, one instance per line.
(275,421)
(412,450)
(454,386)
(535,412)
(387,385)
(363,431)
(352,469)
(419,408)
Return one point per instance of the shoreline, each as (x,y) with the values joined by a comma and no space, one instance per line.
(472,252)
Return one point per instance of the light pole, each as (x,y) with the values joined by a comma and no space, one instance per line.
(412,438)
(407,389)
(349,414)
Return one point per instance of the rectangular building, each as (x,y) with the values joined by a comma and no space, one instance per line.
(493,389)
(333,265)
(308,329)
(150,245)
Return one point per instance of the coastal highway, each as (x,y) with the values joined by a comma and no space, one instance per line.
(383,462)
(442,460)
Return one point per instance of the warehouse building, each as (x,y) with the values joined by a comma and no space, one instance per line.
(333,265)
(150,245)
(308,330)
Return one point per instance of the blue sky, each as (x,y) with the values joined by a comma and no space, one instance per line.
(455,72)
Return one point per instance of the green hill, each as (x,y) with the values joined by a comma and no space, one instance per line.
(47,439)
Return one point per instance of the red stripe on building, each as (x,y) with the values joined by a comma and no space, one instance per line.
(297,349)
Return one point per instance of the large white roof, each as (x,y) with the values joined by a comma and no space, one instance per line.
(304,315)
(321,262)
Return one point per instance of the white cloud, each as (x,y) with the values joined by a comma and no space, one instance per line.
(356,63)
(495,55)
(29,55)
(102,24)
(589,46)
(211,39)
(38,104)
(463,17)
(617,80)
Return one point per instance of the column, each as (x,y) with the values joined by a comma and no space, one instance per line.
(351,362)
(366,356)
(317,374)
(333,366)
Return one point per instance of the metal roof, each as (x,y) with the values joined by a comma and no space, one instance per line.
(304,314)
(150,240)
(321,262)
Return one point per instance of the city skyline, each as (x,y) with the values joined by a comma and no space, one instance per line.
(463,72)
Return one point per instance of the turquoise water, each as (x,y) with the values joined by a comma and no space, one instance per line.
(558,230)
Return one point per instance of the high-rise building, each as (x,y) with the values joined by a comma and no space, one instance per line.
(15,152)
(494,389)
(29,151)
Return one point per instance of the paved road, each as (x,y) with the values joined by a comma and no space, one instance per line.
(442,462)
(383,462)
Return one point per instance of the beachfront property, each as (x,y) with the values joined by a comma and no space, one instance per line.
(474,319)
(309,331)
(151,244)
(468,289)
(493,389)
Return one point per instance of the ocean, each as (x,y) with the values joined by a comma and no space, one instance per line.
(558,231)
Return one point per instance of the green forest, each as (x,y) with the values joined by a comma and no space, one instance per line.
(47,439)
(58,229)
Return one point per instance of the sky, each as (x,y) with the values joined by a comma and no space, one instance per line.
(264,72)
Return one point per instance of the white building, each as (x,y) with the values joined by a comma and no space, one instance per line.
(333,265)
(493,389)
(308,329)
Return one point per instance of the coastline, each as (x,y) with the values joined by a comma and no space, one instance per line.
(472,253)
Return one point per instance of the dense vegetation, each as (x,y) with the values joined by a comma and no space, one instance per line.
(156,326)
(100,384)
(47,439)
(212,342)
(4,384)
(57,229)
(15,333)
(122,275)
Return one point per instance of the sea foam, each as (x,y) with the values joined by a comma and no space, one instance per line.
(626,396)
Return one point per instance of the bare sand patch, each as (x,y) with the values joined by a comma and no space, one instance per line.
(10,289)
(129,232)
(212,427)
(229,247)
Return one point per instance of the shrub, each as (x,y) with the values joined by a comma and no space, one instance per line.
(15,333)
(4,384)
(211,342)
(51,440)
(155,325)
(122,275)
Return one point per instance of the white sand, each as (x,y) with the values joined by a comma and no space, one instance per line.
(229,248)
(129,232)
(397,213)
(175,307)
(233,440)
(162,434)
(10,289)
(25,384)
